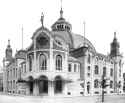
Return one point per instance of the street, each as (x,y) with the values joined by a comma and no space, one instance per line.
(85,99)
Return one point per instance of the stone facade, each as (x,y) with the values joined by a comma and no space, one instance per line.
(60,62)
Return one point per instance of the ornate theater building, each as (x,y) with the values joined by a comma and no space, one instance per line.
(60,62)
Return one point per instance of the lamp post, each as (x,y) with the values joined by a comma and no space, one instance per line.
(103,86)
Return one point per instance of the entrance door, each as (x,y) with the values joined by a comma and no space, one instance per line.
(31,87)
(43,85)
(58,85)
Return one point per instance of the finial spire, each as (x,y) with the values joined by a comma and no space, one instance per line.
(8,43)
(114,34)
(42,18)
(61,11)
(84,32)
(22,36)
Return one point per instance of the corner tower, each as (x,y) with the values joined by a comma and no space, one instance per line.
(8,54)
(118,69)
(63,30)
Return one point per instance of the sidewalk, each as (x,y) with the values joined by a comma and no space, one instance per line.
(38,99)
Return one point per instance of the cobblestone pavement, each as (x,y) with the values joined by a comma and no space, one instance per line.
(32,99)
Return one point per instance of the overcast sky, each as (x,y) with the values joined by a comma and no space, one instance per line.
(102,17)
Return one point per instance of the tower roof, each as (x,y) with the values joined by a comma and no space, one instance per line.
(115,41)
(61,24)
(115,46)
(9,46)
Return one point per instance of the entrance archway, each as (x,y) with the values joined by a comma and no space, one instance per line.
(31,84)
(43,85)
(58,88)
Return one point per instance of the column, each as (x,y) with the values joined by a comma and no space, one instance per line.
(65,88)
(35,88)
(35,66)
(51,88)
(51,63)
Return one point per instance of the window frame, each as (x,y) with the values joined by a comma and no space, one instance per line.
(42,62)
(59,62)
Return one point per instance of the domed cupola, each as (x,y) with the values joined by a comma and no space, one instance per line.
(61,24)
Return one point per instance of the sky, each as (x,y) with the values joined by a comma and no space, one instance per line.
(102,17)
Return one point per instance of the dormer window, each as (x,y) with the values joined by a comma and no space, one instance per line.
(42,40)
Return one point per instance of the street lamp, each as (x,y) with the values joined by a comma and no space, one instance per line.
(103,86)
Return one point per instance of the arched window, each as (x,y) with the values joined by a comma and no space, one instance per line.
(119,84)
(111,84)
(30,63)
(96,69)
(96,83)
(58,88)
(111,72)
(89,58)
(104,71)
(58,62)
(42,62)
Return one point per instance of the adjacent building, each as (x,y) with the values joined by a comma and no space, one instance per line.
(1,81)
(60,62)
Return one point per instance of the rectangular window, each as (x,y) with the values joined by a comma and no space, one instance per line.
(89,59)
(13,72)
(8,74)
(120,72)
(69,67)
(88,74)
(30,63)
(16,72)
(88,68)
(75,68)
(111,72)
(25,68)
(104,71)
(78,67)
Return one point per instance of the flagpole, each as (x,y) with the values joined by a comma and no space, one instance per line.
(22,36)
